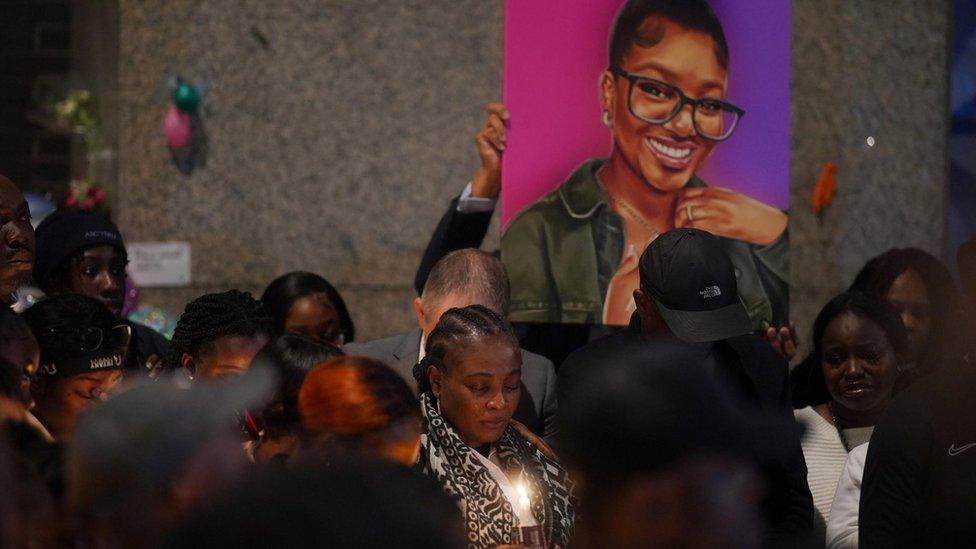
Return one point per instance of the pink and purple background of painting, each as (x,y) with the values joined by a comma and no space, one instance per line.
(554,51)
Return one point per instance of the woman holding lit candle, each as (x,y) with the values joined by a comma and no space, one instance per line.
(508,491)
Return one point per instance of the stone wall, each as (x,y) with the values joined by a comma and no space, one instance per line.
(859,70)
(339,130)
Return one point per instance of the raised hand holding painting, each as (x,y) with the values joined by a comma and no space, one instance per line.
(490,140)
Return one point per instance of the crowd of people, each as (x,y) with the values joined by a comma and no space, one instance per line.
(266,423)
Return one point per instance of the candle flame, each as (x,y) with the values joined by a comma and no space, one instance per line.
(523,494)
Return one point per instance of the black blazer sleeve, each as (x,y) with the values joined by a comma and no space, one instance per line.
(455,231)
(794,519)
(788,505)
(894,477)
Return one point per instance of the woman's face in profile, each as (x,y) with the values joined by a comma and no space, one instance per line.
(667,155)
(480,389)
(909,296)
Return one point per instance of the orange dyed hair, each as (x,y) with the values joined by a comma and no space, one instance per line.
(360,402)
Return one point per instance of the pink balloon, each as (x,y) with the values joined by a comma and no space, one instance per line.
(176,126)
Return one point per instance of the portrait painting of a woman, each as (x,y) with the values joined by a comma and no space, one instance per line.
(572,254)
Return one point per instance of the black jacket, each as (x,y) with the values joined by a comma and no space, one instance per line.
(755,373)
(455,231)
(143,344)
(919,486)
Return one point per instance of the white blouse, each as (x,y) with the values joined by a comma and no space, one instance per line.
(825,455)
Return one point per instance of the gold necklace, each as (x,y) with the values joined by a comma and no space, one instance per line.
(640,220)
(838,426)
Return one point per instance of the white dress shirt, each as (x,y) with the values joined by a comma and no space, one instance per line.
(474,204)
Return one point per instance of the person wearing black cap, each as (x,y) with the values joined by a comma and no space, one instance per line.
(689,315)
(83,350)
(84,253)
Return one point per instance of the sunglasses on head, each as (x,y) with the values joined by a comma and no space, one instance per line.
(88,339)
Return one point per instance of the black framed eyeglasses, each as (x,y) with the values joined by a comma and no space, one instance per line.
(657,102)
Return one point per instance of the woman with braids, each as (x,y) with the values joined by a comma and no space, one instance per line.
(218,335)
(509,492)
(842,389)
(923,292)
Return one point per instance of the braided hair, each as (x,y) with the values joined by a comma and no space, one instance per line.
(472,323)
(212,316)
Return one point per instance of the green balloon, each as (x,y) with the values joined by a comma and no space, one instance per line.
(186,98)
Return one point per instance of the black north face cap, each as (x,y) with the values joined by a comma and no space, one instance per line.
(692,281)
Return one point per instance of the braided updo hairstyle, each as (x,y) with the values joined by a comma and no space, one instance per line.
(459,327)
(212,316)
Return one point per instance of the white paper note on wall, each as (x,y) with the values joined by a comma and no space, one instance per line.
(159,263)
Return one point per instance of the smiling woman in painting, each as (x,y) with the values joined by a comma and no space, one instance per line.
(572,255)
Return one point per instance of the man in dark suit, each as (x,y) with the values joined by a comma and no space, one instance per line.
(462,278)
(688,316)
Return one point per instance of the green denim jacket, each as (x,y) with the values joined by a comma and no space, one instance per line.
(562,251)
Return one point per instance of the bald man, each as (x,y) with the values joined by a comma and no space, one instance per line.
(17,259)
(461,278)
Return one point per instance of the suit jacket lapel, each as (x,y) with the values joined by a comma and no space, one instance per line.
(406,354)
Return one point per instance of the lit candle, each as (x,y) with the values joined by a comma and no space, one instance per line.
(529,536)
(524,504)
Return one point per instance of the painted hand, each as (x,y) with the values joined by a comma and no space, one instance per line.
(727,213)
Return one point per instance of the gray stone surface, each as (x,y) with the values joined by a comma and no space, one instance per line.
(335,147)
(864,69)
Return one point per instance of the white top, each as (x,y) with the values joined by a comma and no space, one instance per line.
(842,526)
(422,352)
(825,455)
(519,501)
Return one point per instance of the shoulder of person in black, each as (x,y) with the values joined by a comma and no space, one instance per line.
(144,343)
(919,485)
(44,458)
(747,363)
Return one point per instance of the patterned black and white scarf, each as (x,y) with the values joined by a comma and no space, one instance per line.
(488,516)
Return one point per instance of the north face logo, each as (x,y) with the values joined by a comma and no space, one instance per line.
(711,291)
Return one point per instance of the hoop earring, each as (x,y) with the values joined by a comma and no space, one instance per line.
(606,119)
